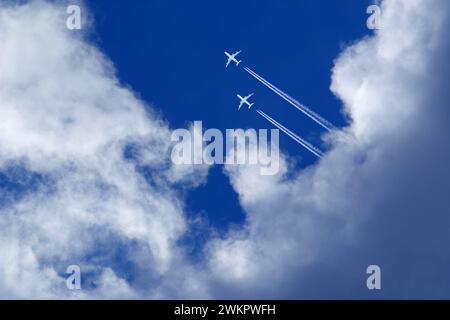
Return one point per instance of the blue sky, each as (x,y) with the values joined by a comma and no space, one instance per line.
(171,54)
(85,171)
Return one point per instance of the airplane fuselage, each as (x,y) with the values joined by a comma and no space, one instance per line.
(232,58)
(244,100)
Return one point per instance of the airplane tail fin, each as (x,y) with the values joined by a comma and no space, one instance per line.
(250,105)
(238,62)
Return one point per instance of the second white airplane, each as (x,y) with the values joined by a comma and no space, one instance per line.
(244,100)
(232,58)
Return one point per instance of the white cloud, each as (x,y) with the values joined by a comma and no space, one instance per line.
(379,195)
(67,117)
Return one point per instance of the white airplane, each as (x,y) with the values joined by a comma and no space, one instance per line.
(232,57)
(244,100)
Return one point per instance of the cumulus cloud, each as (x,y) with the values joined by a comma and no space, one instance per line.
(67,118)
(379,195)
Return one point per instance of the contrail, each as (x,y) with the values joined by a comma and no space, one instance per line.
(295,137)
(314,116)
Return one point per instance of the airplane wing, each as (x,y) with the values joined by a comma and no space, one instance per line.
(228,62)
(249,96)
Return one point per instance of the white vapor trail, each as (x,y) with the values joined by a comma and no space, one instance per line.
(295,137)
(314,116)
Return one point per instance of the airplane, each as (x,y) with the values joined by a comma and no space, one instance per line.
(232,57)
(244,100)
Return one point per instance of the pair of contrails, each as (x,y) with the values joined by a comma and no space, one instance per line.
(308,112)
